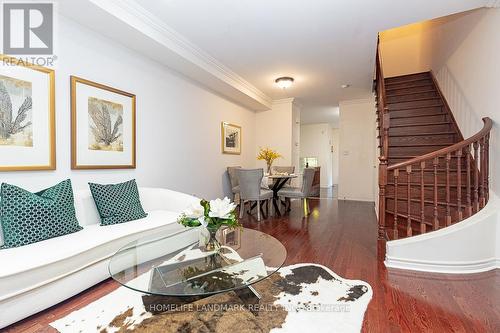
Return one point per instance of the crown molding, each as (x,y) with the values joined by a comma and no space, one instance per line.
(284,101)
(493,4)
(150,25)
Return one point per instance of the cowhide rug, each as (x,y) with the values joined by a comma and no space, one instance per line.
(299,298)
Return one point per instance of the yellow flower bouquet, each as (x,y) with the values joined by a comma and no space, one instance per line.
(268,155)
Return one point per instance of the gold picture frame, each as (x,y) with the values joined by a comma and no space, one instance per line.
(231,138)
(50,119)
(76,147)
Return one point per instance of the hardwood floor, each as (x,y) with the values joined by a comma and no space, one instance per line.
(343,236)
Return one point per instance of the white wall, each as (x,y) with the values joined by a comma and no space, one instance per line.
(315,140)
(178,122)
(335,142)
(296,116)
(357,150)
(274,130)
(407,50)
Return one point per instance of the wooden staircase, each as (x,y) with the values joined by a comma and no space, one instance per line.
(429,176)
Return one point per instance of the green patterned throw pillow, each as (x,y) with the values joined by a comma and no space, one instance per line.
(33,217)
(117,203)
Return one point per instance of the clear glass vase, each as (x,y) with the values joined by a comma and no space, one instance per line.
(211,243)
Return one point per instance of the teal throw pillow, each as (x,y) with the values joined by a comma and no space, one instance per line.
(27,217)
(117,203)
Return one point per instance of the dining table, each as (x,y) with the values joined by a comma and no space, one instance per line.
(278,181)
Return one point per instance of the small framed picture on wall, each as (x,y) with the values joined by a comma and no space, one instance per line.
(102,126)
(231,138)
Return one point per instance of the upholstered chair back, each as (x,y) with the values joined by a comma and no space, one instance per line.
(233,177)
(250,181)
(282,169)
(307,181)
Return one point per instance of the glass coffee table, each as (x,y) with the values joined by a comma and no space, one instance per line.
(172,269)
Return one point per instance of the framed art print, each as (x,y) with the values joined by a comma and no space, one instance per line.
(27,116)
(102,126)
(231,138)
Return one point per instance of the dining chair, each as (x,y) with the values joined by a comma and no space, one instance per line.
(284,169)
(300,193)
(250,190)
(233,180)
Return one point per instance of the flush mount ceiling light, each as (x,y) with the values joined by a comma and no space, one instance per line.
(345,86)
(284,82)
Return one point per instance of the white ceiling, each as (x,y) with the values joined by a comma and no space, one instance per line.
(321,43)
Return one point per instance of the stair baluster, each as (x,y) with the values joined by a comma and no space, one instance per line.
(408,201)
(448,199)
(422,198)
(476,177)
(459,184)
(436,220)
(469,181)
(396,177)
(487,166)
(482,195)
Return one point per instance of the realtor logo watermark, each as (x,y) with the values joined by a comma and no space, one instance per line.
(28,30)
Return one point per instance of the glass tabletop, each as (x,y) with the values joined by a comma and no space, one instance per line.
(177,264)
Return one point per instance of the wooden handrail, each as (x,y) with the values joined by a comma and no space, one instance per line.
(488,123)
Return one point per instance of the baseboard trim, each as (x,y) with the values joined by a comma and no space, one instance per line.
(464,267)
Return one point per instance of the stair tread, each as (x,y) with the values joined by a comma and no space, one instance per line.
(415,86)
(412,93)
(446,144)
(422,134)
(406,81)
(421,124)
(415,100)
(418,115)
(415,107)
(404,75)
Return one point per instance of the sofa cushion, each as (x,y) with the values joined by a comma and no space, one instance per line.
(32,217)
(117,203)
(33,265)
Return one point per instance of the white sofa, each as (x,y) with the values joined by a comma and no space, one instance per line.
(37,276)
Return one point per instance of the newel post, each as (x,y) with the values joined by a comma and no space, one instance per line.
(382,183)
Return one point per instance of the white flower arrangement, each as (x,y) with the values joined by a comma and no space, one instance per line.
(211,214)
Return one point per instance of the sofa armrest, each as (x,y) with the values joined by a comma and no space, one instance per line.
(163,199)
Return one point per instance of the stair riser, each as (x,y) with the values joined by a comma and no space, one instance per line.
(417,112)
(428,193)
(419,120)
(421,139)
(410,90)
(416,104)
(420,129)
(404,78)
(409,84)
(406,98)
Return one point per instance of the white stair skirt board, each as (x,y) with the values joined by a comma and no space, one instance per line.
(469,246)
(311,296)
